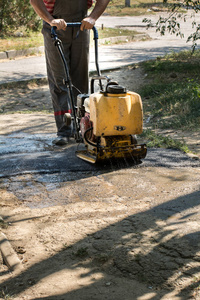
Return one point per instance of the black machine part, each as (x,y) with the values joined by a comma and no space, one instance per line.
(114,88)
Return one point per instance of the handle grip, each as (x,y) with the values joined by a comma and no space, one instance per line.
(75,24)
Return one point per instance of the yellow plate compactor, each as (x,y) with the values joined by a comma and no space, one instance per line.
(107,121)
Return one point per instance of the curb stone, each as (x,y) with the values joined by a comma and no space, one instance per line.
(3,55)
(10,54)
(18,53)
(9,256)
(124,39)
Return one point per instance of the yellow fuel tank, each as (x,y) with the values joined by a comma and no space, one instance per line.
(116,114)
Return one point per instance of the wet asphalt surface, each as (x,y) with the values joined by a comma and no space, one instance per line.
(25,153)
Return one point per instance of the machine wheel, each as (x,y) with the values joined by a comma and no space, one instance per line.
(67,119)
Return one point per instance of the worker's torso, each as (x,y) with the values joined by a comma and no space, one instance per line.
(70,7)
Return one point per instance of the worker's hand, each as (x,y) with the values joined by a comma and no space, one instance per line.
(59,23)
(87,23)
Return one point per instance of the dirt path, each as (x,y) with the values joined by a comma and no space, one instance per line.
(126,232)
(131,233)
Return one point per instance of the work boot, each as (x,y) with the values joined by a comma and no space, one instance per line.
(61,141)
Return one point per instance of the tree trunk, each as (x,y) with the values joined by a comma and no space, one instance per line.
(2,13)
(127,3)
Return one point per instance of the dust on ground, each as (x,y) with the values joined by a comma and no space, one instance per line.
(128,233)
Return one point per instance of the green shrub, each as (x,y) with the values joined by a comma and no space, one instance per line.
(22,15)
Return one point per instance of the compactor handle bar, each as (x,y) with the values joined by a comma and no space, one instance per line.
(96,36)
(77,24)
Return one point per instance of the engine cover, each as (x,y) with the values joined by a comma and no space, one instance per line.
(116,114)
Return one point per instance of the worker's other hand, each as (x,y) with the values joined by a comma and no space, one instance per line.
(87,23)
(59,23)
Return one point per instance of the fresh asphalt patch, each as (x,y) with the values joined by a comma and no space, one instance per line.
(65,160)
(22,153)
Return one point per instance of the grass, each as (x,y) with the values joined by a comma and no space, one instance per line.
(160,141)
(171,98)
(112,32)
(17,43)
(138,7)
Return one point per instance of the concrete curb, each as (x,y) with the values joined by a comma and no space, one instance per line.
(124,39)
(10,54)
(9,256)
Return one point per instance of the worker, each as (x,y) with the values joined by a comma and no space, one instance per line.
(76,49)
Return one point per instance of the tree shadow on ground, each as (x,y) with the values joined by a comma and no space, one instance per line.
(156,247)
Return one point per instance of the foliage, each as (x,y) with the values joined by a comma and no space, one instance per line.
(178,12)
(22,15)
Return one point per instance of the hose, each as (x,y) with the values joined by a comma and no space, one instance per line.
(89,142)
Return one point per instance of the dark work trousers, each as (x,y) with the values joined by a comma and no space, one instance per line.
(76,50)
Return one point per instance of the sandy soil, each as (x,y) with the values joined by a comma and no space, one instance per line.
(127,233)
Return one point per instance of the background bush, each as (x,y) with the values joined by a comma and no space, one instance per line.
(17,13)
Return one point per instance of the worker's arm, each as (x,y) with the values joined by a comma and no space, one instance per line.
(42,12)
(99,8)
